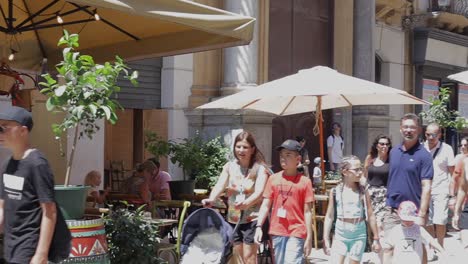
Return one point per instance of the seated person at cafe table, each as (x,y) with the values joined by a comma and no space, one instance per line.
(159,182)
(138,184)
(95,198)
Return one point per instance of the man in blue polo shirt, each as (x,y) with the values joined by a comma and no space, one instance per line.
(410,176)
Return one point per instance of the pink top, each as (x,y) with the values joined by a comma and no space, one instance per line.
(159,183)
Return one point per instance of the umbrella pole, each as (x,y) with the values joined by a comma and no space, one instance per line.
(322,151)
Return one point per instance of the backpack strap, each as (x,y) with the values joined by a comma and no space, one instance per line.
(335,211)
(364,204)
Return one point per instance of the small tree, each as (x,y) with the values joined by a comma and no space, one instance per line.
(200,160)
(439,113)
(82,90)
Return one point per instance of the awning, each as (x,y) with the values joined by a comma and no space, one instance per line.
(133,29)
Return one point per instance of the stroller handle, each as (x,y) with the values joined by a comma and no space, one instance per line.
(236,227)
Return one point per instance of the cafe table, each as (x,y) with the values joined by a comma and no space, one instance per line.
(162,221)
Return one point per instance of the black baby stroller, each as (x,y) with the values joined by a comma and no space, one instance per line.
(206,238)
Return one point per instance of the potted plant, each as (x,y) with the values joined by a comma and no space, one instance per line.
(200,161)
(217,155)
(131,239)
(82,90)
(155,145)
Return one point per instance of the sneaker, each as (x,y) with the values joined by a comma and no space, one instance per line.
(431,256)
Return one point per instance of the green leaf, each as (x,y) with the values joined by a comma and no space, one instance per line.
(134,75)
(49,105)
(107,111)
(87,59)
(87,94)
(93,109)
(60,90)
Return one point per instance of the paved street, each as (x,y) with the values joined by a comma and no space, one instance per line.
(452,245)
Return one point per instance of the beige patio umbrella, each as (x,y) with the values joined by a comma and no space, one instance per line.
(310,90)
(133,29)
(460,77)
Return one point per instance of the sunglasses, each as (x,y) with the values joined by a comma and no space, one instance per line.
(3,129)
(357,169)
(383,144)
(434,135)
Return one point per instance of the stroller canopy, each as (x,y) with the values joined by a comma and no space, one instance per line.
(206,219)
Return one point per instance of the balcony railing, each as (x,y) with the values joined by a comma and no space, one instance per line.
(459,7)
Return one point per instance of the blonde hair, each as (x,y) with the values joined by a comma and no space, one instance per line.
(89,179)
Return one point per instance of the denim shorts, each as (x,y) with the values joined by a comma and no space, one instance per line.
(288,250)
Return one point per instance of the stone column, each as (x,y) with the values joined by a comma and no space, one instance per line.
(241,63)
(207,70)
(343,62)
(367,120)
(176,80)
(240,69)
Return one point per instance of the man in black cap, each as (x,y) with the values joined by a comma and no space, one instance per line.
(34,229)
(291,195)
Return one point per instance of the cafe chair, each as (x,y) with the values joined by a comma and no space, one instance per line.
(172,251)
(117,175)
(322,201)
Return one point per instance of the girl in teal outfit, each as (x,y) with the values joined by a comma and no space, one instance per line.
(349,209)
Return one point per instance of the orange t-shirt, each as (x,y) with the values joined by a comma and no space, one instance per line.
(289,193)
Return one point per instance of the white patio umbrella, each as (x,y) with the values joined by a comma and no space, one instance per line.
(460,77)
(310,90)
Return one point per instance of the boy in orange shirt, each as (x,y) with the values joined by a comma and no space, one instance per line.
(291,195)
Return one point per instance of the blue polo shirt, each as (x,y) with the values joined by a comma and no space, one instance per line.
(407,170)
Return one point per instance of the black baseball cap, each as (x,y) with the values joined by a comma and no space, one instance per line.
(300,138)
(290,144)
(19,115)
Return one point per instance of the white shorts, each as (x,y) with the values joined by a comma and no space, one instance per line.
(438,209)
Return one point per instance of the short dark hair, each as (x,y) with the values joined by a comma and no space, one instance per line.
(411,116)
(155,161)
(335,124)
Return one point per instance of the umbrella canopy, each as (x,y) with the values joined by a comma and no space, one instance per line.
(299,93)
(133,29)
(313,90)
(460,77)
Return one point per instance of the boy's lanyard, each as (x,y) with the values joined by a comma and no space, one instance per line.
(283,199)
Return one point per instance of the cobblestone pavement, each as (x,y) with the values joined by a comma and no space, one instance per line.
(452,245)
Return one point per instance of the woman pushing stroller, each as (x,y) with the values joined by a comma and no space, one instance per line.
(243,180)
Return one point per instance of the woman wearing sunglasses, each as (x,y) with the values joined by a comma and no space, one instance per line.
(376,168)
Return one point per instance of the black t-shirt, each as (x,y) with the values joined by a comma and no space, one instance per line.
(24,185)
